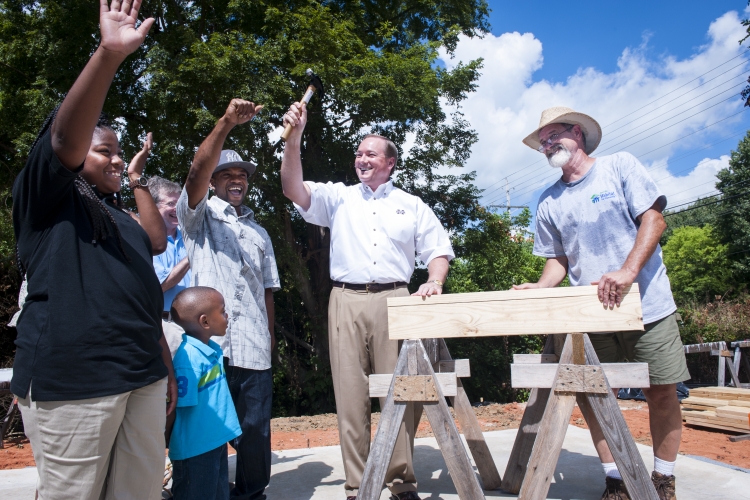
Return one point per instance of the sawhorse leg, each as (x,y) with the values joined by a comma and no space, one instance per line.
(472,431)
(414,363)
(527,432)
(602,402)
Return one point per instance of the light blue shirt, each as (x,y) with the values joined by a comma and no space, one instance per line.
(165,262)
(206,418)
(594,223)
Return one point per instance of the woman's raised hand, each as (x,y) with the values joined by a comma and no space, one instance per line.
(138,162)
(117,25)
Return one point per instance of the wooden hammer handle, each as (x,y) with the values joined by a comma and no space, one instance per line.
(305,99)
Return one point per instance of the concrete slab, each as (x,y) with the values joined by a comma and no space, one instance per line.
(317,473)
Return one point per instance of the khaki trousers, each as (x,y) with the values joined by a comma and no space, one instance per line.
(173,333)
(359,345)
(100,448)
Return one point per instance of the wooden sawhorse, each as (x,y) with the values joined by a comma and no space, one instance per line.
(527,312)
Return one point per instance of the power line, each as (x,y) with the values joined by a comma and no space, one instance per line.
(683,85)
(655,149)
(672,125)
(691,90)
(652,102)
(708,204)
(645,138)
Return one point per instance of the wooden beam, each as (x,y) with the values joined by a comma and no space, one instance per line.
(525,359)
(392,414)
(707,347)
(549,439)
(380,383)
(722,352)
(620,442)
(527,431)
(542,376)
(578,378)
(448,439)
(515,312)
(472,431)
(459,366)
(414,388)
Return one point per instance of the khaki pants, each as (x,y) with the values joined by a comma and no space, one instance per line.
(173,333)
(359,345)
(100,448)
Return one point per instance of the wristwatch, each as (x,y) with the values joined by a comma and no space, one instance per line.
(437,282)
(141,181)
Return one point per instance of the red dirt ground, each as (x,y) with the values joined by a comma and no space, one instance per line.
(321,430)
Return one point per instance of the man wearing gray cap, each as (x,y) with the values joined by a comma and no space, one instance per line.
(600,224)
(230,252)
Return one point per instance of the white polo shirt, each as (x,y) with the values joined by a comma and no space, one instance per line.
(375,236)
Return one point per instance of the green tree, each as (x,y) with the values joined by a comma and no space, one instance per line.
(378,61)
(697,264)
(494,254)
(702,211)
(733,213)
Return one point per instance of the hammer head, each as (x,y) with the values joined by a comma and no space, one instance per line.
(316,82)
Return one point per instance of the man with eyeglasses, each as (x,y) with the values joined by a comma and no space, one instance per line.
(172,267)
(600,224)
(377,230)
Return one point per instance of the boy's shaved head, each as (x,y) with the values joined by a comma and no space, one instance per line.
(191,303)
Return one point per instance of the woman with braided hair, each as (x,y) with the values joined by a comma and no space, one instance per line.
(92,367)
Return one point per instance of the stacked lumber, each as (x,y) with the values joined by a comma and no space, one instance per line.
(725,408)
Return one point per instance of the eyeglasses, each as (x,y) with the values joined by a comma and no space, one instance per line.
(549,141)
(169,204)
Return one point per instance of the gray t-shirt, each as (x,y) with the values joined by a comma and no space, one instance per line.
(592,222)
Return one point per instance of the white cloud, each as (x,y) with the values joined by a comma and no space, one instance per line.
(508,103)
(681,189)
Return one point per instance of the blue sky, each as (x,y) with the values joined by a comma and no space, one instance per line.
(671,27)
(654,63)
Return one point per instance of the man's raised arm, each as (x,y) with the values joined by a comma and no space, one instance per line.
(291,165)
(207,157)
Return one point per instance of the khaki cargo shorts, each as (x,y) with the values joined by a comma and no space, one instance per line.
(659,345)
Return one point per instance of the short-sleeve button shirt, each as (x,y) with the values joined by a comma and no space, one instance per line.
(234,255)
(165,262)
(375,235)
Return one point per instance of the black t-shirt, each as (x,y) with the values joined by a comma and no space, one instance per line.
(91,323)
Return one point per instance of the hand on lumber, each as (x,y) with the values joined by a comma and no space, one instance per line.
(555,270)
(438,271)
(613,285)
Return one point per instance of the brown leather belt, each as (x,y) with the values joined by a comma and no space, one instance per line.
(369,287)
(166,316)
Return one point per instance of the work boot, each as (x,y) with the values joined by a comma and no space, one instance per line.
(615,490)
(664,486)
(406,495)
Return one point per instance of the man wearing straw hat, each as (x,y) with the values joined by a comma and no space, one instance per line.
(600,224)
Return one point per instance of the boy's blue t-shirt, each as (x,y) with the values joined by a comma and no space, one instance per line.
(206,418)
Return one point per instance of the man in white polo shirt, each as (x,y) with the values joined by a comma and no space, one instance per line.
(377,230)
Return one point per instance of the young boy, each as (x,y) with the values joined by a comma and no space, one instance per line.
(206,419)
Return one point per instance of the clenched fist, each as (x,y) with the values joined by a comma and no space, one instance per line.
(240,111)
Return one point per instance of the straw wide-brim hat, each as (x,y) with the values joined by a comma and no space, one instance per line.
(590,128)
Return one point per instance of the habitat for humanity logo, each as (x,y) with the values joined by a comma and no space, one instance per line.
(604,195)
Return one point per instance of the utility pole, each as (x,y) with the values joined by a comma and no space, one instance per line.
(508,206)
